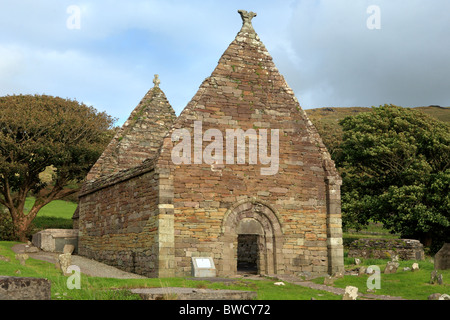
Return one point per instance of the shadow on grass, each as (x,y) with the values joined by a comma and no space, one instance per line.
(42,223)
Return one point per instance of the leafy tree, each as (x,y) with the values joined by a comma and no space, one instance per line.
(395,164)
(41,131)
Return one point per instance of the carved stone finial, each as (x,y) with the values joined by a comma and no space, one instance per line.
(156,80)
(247,20)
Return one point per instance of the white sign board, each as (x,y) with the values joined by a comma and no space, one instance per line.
(203,263)
(203,267)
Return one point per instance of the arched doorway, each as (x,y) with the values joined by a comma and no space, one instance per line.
(252,236)
(250,246)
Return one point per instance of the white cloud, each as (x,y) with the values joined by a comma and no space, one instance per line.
(323,48)
(343,63)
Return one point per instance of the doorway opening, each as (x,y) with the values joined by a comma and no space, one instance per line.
(248,253)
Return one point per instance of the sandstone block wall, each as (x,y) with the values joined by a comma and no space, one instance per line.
(300,204)
(154,218)
(119,217)
(405,249)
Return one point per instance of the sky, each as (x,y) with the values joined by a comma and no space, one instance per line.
(332,53)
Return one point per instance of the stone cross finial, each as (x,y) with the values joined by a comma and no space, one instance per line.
(247,20)
(156,80)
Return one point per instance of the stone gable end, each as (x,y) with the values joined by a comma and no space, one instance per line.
(289,215)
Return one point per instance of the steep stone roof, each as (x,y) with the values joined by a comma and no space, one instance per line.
(246,91)
(140,137)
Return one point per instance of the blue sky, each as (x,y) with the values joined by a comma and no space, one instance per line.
(324,49)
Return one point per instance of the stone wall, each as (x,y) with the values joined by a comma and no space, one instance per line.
(405,249)
(298,207)
(119,220)
(16,288)
(154,218)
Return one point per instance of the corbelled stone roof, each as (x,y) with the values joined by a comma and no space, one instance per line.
(140,137)
(246,91)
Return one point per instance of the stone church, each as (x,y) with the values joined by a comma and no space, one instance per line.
(168,188)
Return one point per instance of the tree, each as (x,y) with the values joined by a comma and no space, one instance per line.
(40,131)
(395,165)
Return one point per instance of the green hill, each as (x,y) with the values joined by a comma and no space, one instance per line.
(333,115)
(327,120)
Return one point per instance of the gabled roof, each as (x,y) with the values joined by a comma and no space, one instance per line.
(140,137)
(246,90)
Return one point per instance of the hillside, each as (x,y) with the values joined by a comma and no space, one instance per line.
(327,120)
(331,115)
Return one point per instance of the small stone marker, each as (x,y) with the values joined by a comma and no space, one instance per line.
(203,267)
(415,267)
(328,281)
(64,261)
(357,261)
(362,270)
(391,267)
(370,270)
(22,257)
(351,293)
(440,279)
(436,277)
(68,248)
(434,296)
(279,283)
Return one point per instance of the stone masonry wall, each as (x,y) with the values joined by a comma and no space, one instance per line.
(119,221)
(245,92)
(405,249)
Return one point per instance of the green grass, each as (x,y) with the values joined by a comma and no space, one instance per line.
(373,231)
(405,284)
(96,288)
(409,285)
(55,215)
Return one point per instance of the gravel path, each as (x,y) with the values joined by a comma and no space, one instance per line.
(87,266)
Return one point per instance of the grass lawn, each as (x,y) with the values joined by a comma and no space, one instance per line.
(95,288)
(55,215)
(406,284)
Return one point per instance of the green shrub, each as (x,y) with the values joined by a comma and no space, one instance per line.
(6,226)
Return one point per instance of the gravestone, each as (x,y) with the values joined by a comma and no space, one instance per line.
(22,257)
(351,293)
(64,261)
(442,258)
(436,277)
(203,267)
(391,267)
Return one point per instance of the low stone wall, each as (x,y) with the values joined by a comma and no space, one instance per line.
(405,249)
(172,293)
(15,288)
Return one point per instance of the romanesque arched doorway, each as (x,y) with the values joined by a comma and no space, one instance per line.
(252,235)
